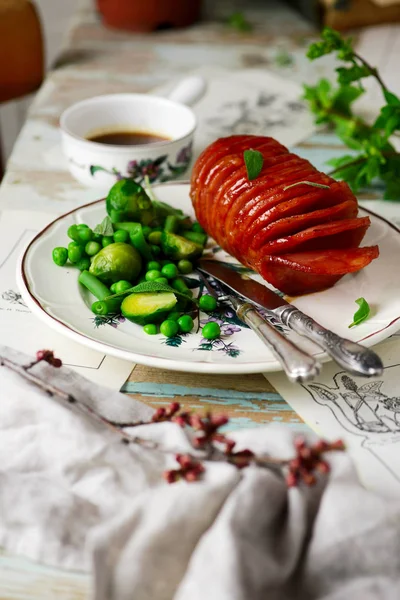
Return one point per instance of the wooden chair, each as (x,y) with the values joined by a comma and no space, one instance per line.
(21,51)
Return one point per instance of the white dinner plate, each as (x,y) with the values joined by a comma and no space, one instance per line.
(54,295)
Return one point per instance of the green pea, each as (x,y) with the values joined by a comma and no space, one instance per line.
(73,232)
(169,270)
(85,234)
(150,329)
(146,231)
(82,226)
(211,331)
(185,323)
(152,275)
(207,303)
(153,265)
(174,315)
(83,264)
(97,237)
(155,237)
(121,236)
(92,248)
(169,328)
(162,280)
(185,266)
(107,240)
(60,256)
(121,286)
(112,287)
(156,250)
(75,252)
(197,228)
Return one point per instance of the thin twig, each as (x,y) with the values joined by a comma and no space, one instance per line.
(372,70)
(210,450)
(52,390)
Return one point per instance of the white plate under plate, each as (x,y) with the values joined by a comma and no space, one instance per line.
(54,295)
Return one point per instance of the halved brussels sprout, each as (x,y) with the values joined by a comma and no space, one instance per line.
(116,261)
(148,308)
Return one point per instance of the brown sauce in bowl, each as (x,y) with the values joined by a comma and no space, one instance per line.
(127,138)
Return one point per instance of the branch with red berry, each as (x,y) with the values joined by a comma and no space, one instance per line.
(207,439)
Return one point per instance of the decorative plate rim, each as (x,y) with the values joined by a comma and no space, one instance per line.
(165,363)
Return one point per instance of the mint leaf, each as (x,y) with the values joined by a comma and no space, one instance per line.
(105,227)
(311,183)
(254,161)
(362,313)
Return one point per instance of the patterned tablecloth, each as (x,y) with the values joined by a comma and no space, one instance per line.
(97,61)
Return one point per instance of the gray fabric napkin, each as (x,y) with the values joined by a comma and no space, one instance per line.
(72,495)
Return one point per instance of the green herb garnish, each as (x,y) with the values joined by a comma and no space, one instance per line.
(105,227)
(362,313)
(374,155)
(239,22)
(254,163)
(311,183)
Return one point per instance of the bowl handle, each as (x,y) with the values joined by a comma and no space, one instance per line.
(189,91)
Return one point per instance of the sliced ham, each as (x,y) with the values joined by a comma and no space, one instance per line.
(300,238)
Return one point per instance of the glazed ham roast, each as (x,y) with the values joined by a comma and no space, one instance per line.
(301,239)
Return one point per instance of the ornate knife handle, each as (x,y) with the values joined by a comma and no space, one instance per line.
(351,356)
(297,365)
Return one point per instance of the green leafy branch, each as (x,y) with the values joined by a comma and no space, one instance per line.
(376,157)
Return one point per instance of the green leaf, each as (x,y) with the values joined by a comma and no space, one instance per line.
(362,313)
(311,183)
(94,168)
(391,99)
(239,22)
(254,163)
(344,96)
(105,227)
(347,75)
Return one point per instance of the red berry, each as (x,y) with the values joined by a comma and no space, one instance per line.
(299,443)
(173,408)
(170,476)
(291,480)
(323,466)
(338,445)
(159,414)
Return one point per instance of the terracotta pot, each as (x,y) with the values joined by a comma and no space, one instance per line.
(21,49)
(148,15)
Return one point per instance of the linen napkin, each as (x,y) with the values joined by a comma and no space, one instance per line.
(71,495)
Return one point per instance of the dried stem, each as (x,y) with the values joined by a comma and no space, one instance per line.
(209,442)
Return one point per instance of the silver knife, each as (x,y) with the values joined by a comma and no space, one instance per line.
(297,364)
(352,356)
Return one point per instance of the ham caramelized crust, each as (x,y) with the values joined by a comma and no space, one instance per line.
(301,239)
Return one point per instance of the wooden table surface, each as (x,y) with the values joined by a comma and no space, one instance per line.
(97,61)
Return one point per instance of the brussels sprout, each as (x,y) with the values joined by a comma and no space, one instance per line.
(177,247)
(127,201)
(116,261)
(148,308)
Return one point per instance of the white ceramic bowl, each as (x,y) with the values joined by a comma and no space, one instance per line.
(100,165)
